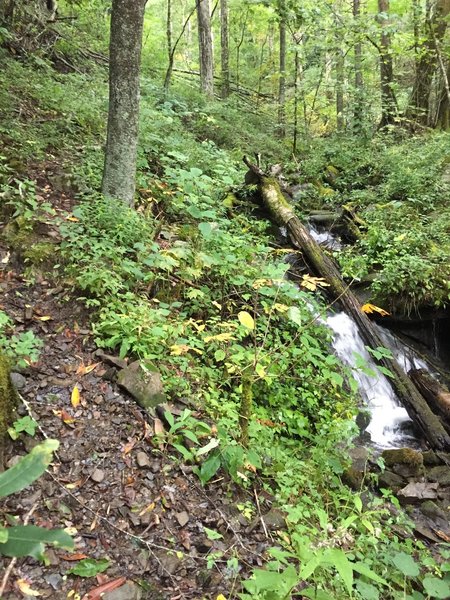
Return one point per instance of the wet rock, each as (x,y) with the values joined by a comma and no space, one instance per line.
(430,459)
(98,475)
(353,478)
(432,510)
(403,456)
(414,492)
(391,480)
(359,457)
(128,591)
(142,459)
(439,474)
(143,382)
(18,381)
(363,420)
(182,518)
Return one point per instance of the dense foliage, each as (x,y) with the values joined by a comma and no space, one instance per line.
(193,281)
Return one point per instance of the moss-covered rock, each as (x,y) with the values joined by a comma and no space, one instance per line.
(402,456)
(8,401)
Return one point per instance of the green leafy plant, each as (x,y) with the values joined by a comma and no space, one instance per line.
(22,348)
(30,540)
(26,425)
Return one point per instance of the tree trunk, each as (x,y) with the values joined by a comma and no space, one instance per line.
(437,396)
(224,49)
(358,113)
(435,27)
(389,107)
(119,175)
(339,69)
(205,48)
(282,83)
(170,54)
(283,214)
(442,120)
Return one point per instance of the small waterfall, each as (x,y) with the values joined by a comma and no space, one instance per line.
(390,425)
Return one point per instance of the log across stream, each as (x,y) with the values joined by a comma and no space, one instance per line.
(282,213)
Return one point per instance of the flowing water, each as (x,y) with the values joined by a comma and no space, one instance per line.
(390,425)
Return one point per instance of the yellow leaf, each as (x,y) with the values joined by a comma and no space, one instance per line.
(370,308)
(280,307)
(44,318)
(221,597)
(84,370)
(75,397)
(312,283)
(220,337)
(25,588)
(73,219)
(246,320)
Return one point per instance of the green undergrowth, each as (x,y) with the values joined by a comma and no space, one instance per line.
(191,282)
(400,189)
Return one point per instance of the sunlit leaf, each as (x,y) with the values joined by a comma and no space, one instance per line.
(370,308)
(246,320)
(26,589)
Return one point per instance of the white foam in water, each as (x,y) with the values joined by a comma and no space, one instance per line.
(325,238)
(389,419)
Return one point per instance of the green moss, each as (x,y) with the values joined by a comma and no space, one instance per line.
(8,402)
(403,456)
(41,253)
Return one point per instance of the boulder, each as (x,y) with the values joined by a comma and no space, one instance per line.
(403,456)
(143,382)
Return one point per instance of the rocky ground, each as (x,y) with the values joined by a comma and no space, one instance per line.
(126,497)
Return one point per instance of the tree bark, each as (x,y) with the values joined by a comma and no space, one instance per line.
(437,396)
(119,174)
(205,45)
(282,213)
(434,30)
(389,108)
(358,113)
(282,82)
(339,69)
(224,49)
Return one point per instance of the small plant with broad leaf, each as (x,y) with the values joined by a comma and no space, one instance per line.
(30,540)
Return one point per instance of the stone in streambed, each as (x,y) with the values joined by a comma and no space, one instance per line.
(405,462)
(128,591)
(415,492)
(143,382)
(439,474)
(391,480)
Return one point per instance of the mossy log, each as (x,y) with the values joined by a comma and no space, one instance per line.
(282,213)
(8,402)
(437,396)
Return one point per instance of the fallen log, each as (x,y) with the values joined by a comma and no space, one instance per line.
(437,396)
(283,214)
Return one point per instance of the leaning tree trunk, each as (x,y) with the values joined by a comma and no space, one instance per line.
(388,100)
(119,174)
(205,48)
(437,396)
(283,214)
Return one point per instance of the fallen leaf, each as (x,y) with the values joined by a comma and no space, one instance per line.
(84,370)
(26,589)
(158,427)
(75,397)
(64,416)
(370,308)
(76,556)
(147,509)
(44,318)
(72,218)
(128,447)
(97,592)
